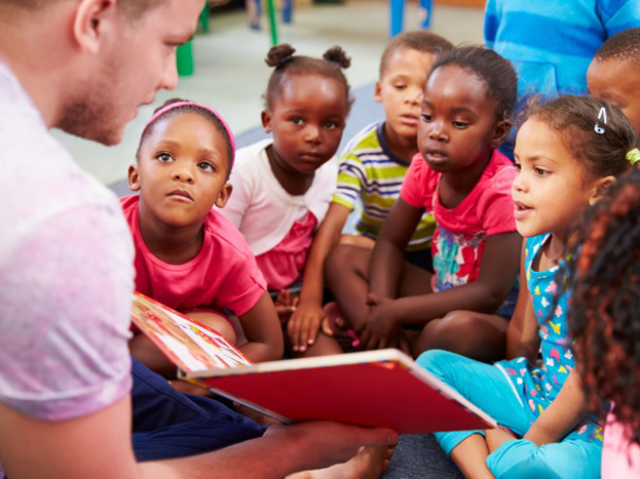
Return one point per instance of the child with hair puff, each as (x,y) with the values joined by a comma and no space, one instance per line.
(605,272)
(283,185)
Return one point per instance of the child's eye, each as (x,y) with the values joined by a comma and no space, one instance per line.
(205,165)
(400,86)
(460,124)
(426,117)
(164,157)
(541,172)
(331,124)
(518,166)
(296,120)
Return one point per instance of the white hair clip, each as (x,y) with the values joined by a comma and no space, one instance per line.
(601,116)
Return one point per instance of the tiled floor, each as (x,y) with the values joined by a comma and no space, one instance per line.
(231,75)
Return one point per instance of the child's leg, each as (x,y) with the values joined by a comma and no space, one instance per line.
(216,321)
(323,346)
(359,241)
(471,456)
(487,387)
(570,458)
(475,335)
(347,273)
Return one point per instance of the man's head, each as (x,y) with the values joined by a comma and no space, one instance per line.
(614,72)
(96,61)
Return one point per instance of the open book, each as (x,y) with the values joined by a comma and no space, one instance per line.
(373,388)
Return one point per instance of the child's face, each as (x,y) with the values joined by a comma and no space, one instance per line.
(307,120)
(457,128)
(400,89)
(552,189)
(182,170)
(617,81)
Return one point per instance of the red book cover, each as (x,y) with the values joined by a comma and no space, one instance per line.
(372,388)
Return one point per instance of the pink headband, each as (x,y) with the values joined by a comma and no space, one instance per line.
(179,104)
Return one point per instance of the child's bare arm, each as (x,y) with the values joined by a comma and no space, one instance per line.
(141,348)
(568,408)
(523,339)
(262,329)
(307,318)
(388,255)
(498,271)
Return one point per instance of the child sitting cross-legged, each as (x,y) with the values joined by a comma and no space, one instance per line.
(372,169)
(283,186)
(462,178)
(569,151)
(188,256)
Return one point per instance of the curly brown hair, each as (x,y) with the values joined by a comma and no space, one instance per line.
(604,269)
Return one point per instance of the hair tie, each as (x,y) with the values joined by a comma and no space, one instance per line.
(601,116)
(633,156)
(179,104)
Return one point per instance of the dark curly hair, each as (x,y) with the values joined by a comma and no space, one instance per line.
(622,46)
(180,110)
(575,118)
(604,269)
(494,71)
(285,63)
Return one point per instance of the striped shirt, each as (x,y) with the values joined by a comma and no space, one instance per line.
(370,172)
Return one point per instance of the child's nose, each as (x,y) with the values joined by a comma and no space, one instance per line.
(183,173)
(437,131)
(519,183)
(312,134)
(413,96)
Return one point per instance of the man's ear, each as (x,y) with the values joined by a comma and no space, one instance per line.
(225,194)
(500,133)
(377,95)
(266,120)
(600,189)
(133,178)
(92,19)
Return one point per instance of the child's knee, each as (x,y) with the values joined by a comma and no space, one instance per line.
(340,259)
(435,361)
(524,459)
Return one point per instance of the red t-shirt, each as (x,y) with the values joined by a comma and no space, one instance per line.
(224,274)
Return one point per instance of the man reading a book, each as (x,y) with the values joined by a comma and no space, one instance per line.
(66,270)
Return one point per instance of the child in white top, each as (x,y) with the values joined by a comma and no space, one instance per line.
(283,186)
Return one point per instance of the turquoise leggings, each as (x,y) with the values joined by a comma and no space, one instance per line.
(487,387)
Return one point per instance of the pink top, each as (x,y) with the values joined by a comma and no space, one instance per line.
(619,458)
(224,274)
(460,233)
(285,263)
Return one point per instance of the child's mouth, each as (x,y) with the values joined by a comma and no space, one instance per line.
(520,210)
(435,157)
(181,195)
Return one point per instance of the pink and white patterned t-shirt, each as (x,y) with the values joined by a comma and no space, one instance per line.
(66,274)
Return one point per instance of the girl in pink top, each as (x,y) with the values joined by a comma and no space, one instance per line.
(604,319)
(283,186)
(188,256)
(462,178)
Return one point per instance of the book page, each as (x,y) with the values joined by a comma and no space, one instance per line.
(191,345)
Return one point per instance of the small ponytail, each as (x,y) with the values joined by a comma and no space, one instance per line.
(338,56)
(279,55)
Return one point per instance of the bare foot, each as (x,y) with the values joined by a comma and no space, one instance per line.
(369,463)
(346,336)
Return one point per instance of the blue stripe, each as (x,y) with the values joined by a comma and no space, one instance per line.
(553,35)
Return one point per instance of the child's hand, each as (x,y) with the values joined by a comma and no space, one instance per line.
(380,325)
(285,306)
(304,325)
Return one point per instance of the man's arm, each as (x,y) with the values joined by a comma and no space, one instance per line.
(99,445)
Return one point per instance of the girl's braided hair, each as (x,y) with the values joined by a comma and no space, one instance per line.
(604,318)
